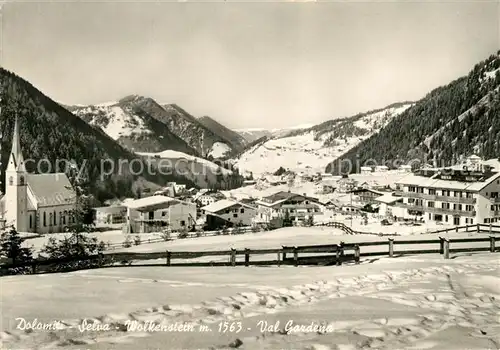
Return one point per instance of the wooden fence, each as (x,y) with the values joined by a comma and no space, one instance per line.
(329,254)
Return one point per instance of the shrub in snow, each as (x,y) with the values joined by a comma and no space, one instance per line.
(11,249)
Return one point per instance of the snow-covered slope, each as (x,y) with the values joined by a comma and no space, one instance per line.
(202,172)
(253,134)
(311,149)
(133,123)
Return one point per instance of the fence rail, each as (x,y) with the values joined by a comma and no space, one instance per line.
(328,254)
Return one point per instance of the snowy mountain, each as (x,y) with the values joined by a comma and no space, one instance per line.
(133,123)
(253,134)
(202,172)
(143,125)
(450,123)
(312,148)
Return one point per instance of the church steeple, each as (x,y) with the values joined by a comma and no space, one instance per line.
(16,160)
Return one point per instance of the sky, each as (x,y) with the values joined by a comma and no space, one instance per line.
(248,65)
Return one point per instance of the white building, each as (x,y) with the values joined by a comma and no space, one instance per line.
(365,170)
(381,169)
(299,207)
(152,214)
(40,203)
(231,211)
(467,194)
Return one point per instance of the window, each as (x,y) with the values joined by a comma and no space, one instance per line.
(446,218)
(50,219)
(21,181)
(432,191)
(235,215)
(44,219)
(242,210)
(183,223)
(11,181)
(55,218)
(60,218)
(64,218)
(430,204)
(31,221)
(163,213)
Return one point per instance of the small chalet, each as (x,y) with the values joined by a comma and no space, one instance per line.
(152,214)
(299,207)
(227,212)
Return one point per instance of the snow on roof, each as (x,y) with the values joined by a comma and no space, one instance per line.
(51,189)
(422,181)
(146,202)
(388,198)
(223,204)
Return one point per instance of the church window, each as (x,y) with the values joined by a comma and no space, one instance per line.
(11,181)
(31,221)
(55,218)
(21,181)
(44,219)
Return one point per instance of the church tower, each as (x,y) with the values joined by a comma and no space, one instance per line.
(16,191)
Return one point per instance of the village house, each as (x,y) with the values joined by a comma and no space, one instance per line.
(381,169)
(39,203)
(346,184)
(155,213)
(466,194)
(114,214)
(387,205)
(206,197)
(365,195)
(299,207)
(227,212)
(366,170)
(324,188)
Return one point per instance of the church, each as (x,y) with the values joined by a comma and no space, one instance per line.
(37,203)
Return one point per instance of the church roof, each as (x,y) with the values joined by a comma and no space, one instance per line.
(51,189)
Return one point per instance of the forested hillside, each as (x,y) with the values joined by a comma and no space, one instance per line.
(451,122)
(51,133)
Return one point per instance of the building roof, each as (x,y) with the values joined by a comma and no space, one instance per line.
(51,189)
(366,190)
(151,203)
(388,198)
(433,182)
(112,209)
(223,204)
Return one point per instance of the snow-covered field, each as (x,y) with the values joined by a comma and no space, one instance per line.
(176,156)
(403,303)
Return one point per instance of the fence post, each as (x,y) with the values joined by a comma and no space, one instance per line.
(295,256)
(446,248)
(456,229)
(168,258)
(478,228)
(391,247)
(284,252)
(233,257)
(279,262)
(466,228)
(247,257)
(441,245)
(492,244)
(357,253)
(340,253)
